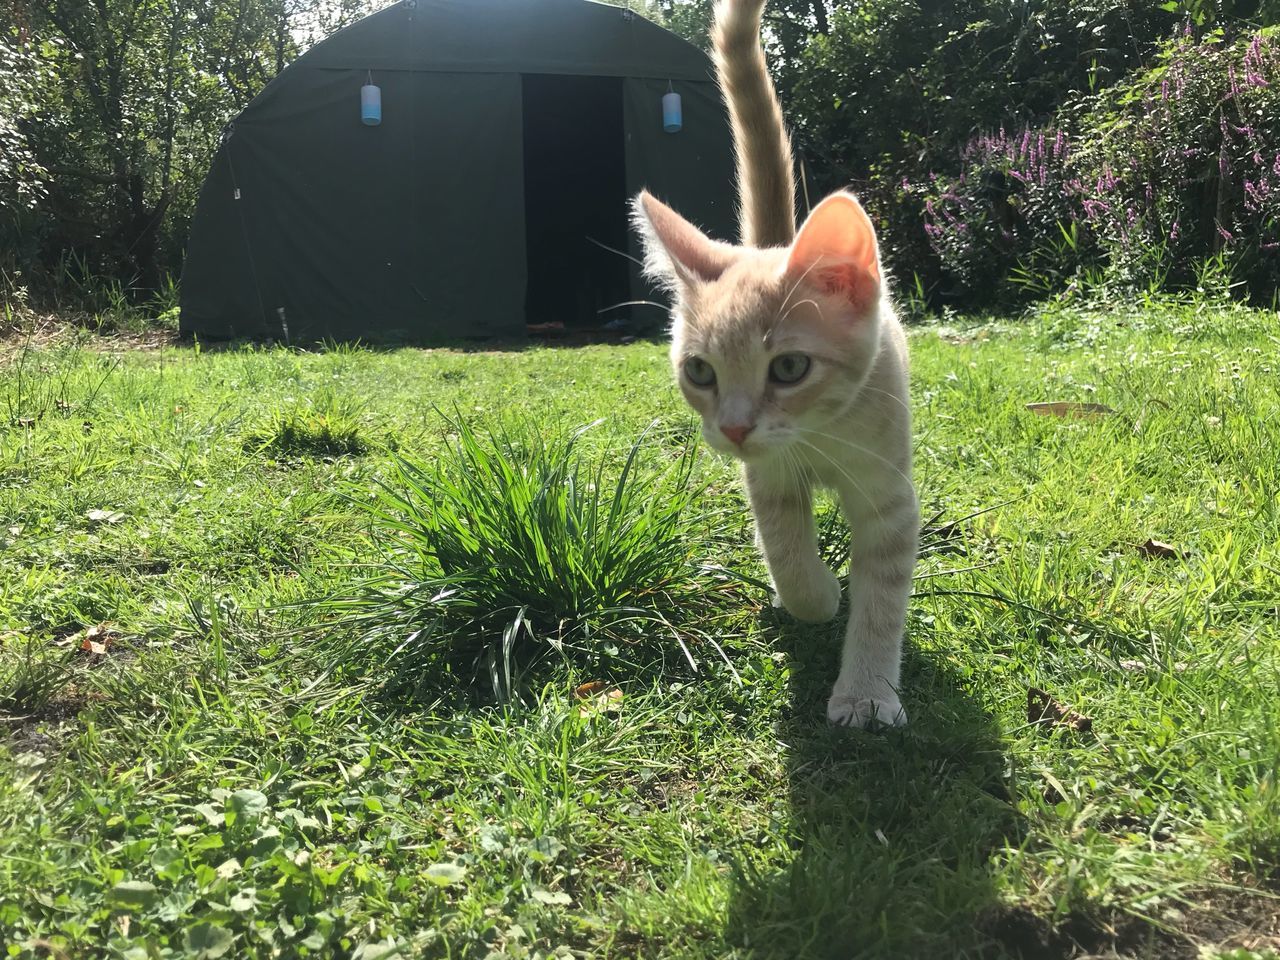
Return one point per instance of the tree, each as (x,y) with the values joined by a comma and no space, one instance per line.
(138,92)
(21,176)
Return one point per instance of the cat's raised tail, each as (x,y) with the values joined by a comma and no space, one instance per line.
(766,184)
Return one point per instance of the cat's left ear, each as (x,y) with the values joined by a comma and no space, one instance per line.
(836,251)
(676,252)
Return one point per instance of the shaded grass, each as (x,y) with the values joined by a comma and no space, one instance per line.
(714,814)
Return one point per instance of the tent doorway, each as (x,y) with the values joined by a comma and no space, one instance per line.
(575,191)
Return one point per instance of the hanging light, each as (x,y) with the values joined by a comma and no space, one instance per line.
(672,119)
(370,103)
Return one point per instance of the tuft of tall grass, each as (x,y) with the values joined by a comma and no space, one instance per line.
(31,677)
(325,425)
(509,543)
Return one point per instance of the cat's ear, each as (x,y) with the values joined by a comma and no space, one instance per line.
(676,252)
(836,251)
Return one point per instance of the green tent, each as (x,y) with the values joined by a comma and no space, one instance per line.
(512,134)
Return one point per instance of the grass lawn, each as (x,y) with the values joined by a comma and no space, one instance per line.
(225,768)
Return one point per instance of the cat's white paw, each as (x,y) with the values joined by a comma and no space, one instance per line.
(868,713)
(814,600)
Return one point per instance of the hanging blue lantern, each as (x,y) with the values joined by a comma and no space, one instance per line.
(672,120)
(370,104)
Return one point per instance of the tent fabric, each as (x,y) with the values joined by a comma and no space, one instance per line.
(570,37)
(693,174)
(312,225)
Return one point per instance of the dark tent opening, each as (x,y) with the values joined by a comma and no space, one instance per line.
(575,198)
(510,137)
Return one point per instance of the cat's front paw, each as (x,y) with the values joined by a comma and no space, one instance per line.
(814,599)
(869,713)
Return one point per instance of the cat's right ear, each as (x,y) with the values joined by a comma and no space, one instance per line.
(676,253)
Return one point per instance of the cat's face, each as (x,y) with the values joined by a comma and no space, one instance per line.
(770,346)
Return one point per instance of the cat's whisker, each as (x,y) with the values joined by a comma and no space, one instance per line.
(786,301)
(783,318)
(794,468)
(843,471)
(892,396)
(632,303)
(856,446)
(622,253)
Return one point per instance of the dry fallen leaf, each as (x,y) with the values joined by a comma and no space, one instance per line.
(597,697)
(1065,408)
(105,516)
(96,640)
(1155,548)
(1042,708)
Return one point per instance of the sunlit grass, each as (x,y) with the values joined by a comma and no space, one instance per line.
(295,745)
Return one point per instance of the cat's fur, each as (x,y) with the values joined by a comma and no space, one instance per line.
(844,424)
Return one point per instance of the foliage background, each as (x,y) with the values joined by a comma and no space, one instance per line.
(1009,149)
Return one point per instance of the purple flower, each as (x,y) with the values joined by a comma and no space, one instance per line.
(1224,233)
(1174,230)
(1094,208)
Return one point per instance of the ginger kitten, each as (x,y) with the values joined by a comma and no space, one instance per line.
(789,349)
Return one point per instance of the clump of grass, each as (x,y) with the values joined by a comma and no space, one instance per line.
(308,435)
(509,542)
(326,427)
(32,675)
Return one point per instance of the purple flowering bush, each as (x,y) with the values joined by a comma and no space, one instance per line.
(1006,225)
(1141,184)
(1188,156)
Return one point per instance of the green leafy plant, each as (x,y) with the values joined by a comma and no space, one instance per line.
(509,540)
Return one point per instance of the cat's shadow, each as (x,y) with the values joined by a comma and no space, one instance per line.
(891,833)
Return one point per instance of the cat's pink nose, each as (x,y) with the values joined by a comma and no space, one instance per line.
(737,434)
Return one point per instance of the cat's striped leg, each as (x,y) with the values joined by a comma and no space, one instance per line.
(783,507)
(882,557)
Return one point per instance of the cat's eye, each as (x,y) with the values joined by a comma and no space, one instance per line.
(699,372)
(788,368)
